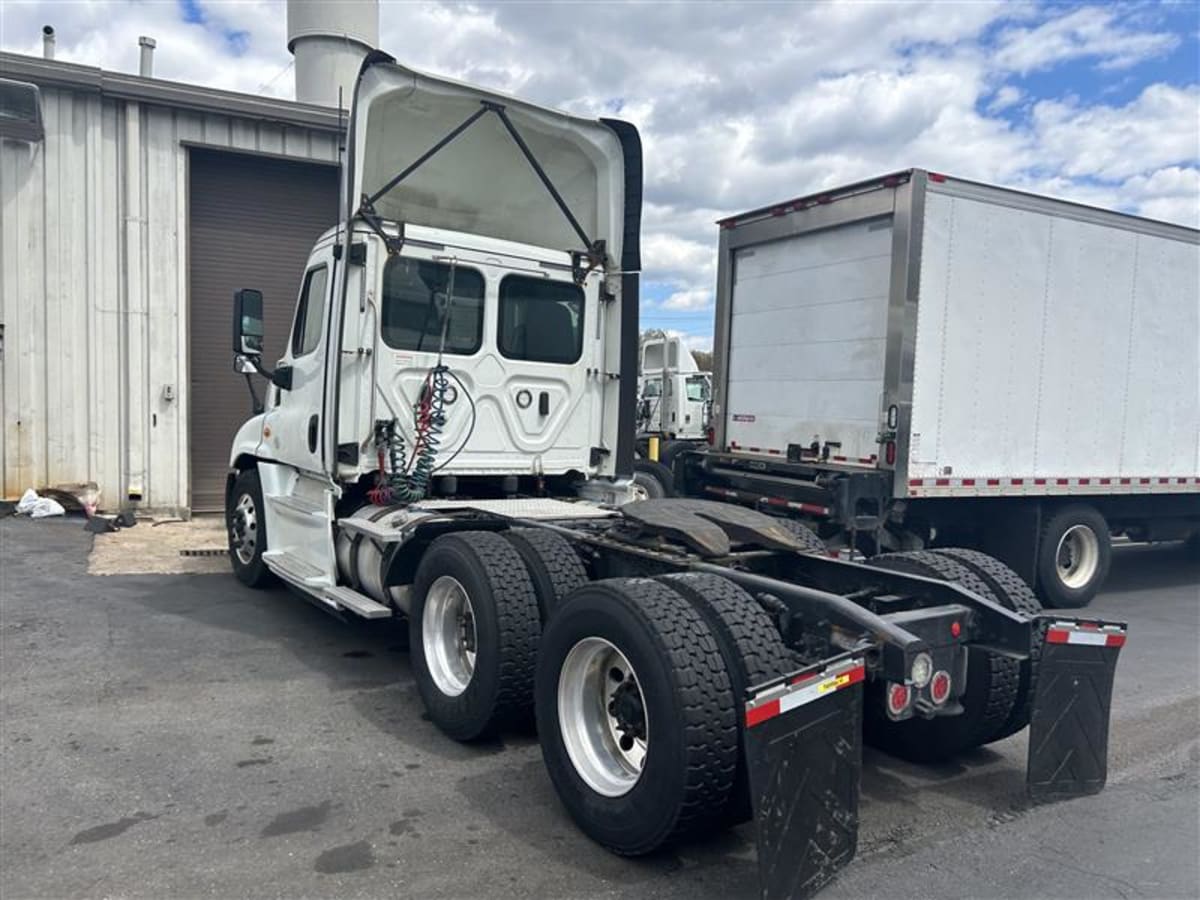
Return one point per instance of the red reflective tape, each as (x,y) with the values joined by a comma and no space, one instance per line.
(968,482)
(1084,480)
(1106,481)
(801,679)
(777,501)
(942,482)
(759,714)
(1143,481)
(1181,481)
(1126,481)
(1063,481)
(993,482)
(857,674)
(1164,481)
(1115,640)
(1057,636)
(916,482)
(1039,481)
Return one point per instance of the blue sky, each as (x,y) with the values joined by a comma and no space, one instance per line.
(740,106)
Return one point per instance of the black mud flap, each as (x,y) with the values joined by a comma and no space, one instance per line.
(803,746)
(1068,728)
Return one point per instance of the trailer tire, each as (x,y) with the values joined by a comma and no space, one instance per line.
(246,527)
(682,690)
(804,535)
(1012,591)
(654,480)
(753,650)
(672,450)
(1074,554)
(554,567)
(468,693)
(987,700)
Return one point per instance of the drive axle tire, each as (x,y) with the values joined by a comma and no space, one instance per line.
(554,566)
(635,714)
(473,634)
(1012,591)
(804,535)
(987,699)
(1074,555)
(652,480)
(246,527)
(753,651)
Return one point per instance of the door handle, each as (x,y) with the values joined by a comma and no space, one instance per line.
(312,434)
(544,403)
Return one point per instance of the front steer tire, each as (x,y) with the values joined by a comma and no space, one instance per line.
(246,528)
(692,735)
(505,626)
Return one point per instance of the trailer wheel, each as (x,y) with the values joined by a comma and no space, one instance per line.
(1074,554)
(652,480)
(635,714)
(990,691)
(753,651)
(804,535)
(667,455)
(247,529)
(473,634)
(1012,591)
(554,566)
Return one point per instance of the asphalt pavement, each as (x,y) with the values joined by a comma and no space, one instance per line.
(183,736)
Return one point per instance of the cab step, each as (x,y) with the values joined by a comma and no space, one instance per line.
(296,504)
(294,569)
(359,604)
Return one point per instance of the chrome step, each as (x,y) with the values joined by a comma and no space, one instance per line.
(359,604)
(294,569)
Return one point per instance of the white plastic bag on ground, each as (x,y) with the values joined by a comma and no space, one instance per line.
(47,506)
(37,507)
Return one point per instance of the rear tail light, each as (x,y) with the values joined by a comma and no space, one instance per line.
(898,697)
(889,453)
(710,435)
(939,687)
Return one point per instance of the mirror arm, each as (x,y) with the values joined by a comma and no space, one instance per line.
(256,405)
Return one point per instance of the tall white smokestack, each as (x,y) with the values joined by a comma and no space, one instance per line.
(146,59)
(329,39)
(48,41)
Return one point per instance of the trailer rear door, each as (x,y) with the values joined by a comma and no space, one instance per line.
(807,341)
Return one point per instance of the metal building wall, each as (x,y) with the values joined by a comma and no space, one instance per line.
(93,290)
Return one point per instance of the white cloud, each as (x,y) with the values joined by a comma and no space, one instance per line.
(1087,33)
(741,108)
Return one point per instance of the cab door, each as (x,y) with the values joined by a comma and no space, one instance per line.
(295,421)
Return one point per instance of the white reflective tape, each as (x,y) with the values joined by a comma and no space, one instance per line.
(1096,638)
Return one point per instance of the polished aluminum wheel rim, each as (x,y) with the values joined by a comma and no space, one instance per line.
(1078,556)
(602,716)
(243,530)
(448,635)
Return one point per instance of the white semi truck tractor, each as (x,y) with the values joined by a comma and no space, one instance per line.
(673,411)
(920,361)
(448,440)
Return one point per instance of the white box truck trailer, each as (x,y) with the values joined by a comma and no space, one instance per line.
(921,361)
(448,440)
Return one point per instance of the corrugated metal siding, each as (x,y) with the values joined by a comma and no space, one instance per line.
(253,222)
(93,276)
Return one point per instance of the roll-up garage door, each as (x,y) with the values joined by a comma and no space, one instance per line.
(252,223)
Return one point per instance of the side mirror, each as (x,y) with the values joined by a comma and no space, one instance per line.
(248,323)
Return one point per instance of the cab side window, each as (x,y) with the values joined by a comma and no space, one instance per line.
(310,312)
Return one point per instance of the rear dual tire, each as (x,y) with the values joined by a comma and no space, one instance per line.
(681,707)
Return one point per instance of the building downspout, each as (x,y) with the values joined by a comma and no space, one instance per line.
(134,316)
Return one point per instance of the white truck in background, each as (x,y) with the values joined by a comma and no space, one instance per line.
(448,441)
(919,360)
(673,413)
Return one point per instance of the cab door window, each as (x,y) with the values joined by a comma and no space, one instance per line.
(310,313)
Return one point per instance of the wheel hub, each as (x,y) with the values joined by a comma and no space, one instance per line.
(1078,556)
(602,717)
(243,530)
(448,635)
